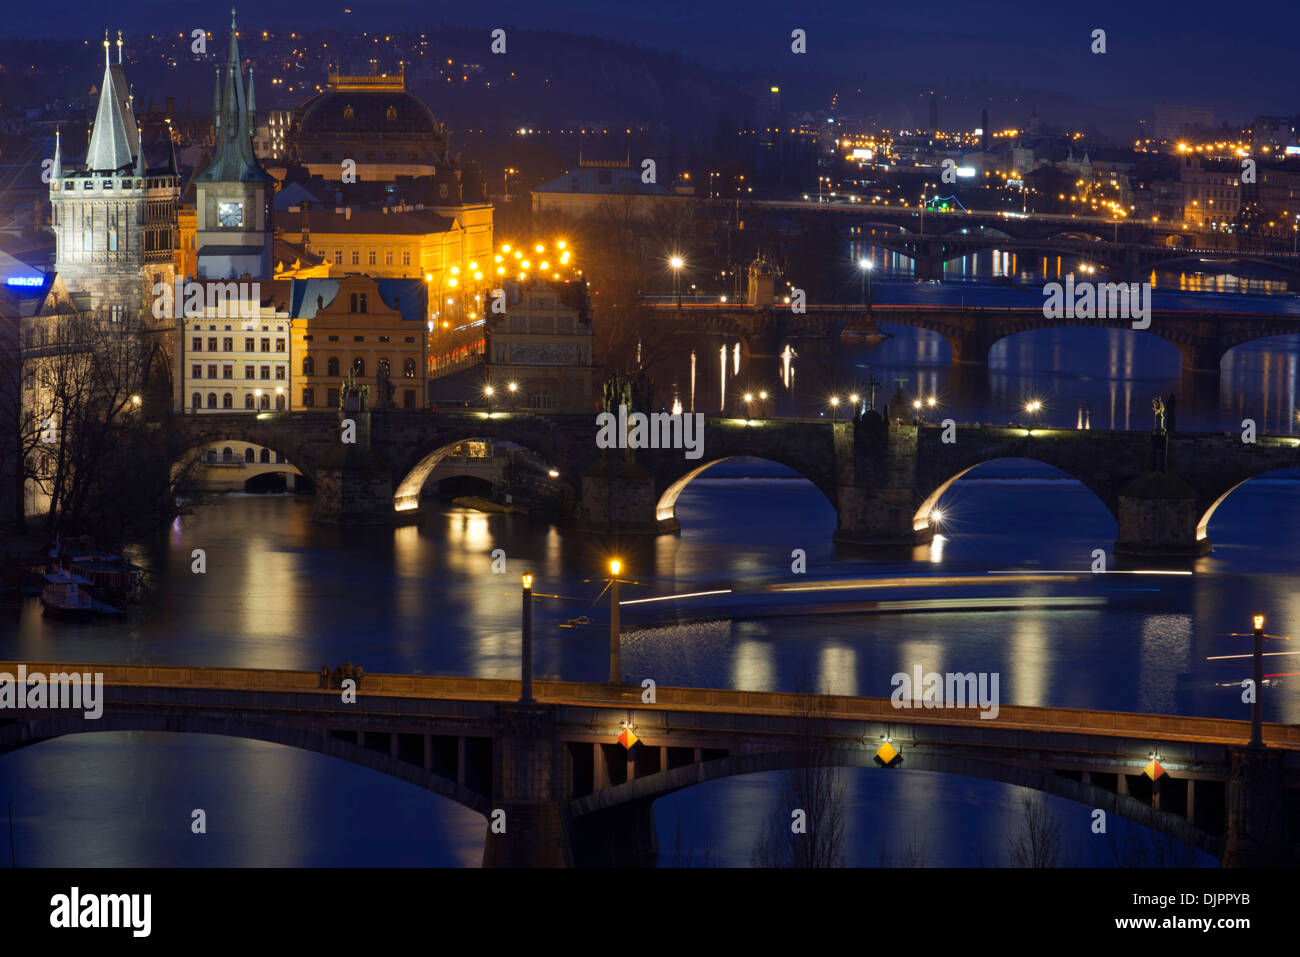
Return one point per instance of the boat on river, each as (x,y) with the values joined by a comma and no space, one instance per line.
(69,596)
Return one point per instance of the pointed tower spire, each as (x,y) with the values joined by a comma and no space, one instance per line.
(173,166)
(141,167)
(216,106)
(252,101)
(119,47)
(57,171)
(110,143)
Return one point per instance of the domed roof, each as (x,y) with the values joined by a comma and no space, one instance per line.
(350,110)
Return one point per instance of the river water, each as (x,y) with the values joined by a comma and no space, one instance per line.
(281,592)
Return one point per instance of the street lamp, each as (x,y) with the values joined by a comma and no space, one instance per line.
(1257,675)
(1033,407)
(676,263)
(489,392)
(853,400)
(514,389)
(749,401)
(526,676)
(866,265)
(615,663)
(916,409)
(835,406)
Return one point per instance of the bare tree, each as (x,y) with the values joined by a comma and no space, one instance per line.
(816,787)
(1037,841)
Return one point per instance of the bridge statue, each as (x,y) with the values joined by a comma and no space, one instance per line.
(1158,407)
(352,397)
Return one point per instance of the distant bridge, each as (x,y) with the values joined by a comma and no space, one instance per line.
(882,479)
(571,794)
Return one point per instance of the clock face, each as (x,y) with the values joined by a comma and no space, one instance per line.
(230,214)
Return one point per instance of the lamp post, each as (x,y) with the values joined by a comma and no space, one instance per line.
(615,662)
(676,263)
(513,387)
(835,407)
(526,676)
(865,265)
(1033,407)
(489,392)
(854,398)
(1257,675)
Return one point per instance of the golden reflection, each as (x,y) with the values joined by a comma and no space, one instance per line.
(752,666)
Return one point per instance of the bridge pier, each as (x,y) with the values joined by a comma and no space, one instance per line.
(878,516)
(526,825)
(1158,515)
(1258,835)
(618,497)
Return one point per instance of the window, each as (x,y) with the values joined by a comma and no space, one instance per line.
(250,372)
(383,338)
(227,372)
(249,344)
(308,398)
(334,338)
(358,338)
(308,365)
(212,399)
(371,258)
(338,257)
(332,398)
(408,398)
(356,257)
(406,257)
(196,372)
(385,369)
(248,454)
(388,257)
(227,344)
(212,344)
(212,371)
(265,402)
(410,338)
(265,455)
(332,366)
(227,454)
(227,401)
(352,303)
(248,400)
(85,239)
(266,372)
(279,402)
(363,295)
(266,345)
(359,366)
(279,345)
(408,368)
(112,239)
(196,344)
(196,401)
(279,373)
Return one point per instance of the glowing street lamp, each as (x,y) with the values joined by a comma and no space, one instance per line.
(677,263)
(615,662)
(514,390)
(835,406)
(1033,407)
(865,265)
(526,670)
(489,392)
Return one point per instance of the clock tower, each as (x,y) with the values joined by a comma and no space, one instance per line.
(233,195)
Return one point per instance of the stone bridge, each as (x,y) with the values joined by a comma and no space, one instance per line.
(883,480)
(571,794)
(1202,338)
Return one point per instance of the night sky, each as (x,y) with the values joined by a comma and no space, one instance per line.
(1238,59)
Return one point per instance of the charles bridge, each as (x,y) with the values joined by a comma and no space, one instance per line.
(883,479)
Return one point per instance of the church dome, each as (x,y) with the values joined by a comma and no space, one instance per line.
(352,107)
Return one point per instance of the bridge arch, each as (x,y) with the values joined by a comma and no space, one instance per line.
(925,517)
(406,497)
(666,507)
(234,450)
(1090,795)
(1203,526)
(27,733)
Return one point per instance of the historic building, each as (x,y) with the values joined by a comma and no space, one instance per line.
(373,329)
(114,216)
(542,345)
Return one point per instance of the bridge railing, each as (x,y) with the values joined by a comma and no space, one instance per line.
(840,707)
